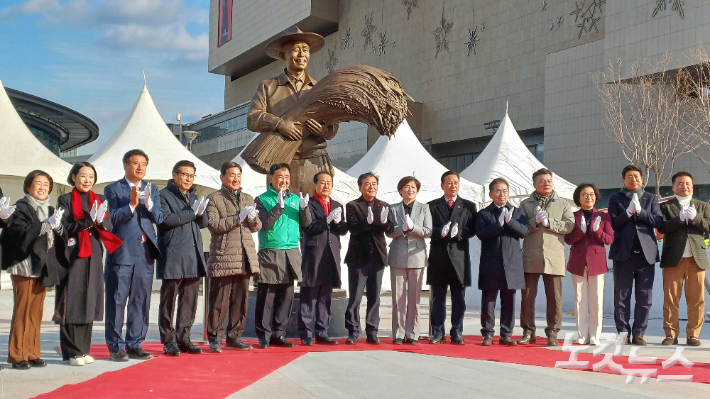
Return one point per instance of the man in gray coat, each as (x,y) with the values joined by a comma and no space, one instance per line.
(550,218)
(183,262)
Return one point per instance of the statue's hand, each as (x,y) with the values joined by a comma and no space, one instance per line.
(290,131)
(315,128)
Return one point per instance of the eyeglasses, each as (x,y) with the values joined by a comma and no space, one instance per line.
(589,195)
(499,192)
(188,176)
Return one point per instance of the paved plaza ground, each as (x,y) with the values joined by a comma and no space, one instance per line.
(371,374)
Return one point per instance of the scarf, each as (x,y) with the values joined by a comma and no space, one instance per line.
(42,209)
(110,241)
(630,194)
(543,200)
(325,204)
(684,200)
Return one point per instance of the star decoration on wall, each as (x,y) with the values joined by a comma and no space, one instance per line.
(347,41)
(483,26)
(471,43)
(676,5)
(544,5)
(332,61)
(588,15)
(440,35)
(368,31)
(552,26)
(559,21)
(410,4)
(381,44)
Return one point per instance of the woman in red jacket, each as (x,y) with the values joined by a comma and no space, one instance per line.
(587,262)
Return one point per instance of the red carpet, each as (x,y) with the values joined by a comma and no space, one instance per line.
(220,375)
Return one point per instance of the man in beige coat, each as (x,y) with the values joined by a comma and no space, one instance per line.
(232,218)
(550,218)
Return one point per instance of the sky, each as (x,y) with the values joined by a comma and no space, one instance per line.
(90,55)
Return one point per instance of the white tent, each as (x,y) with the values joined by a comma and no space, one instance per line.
(508,157)
(403,155)
(344,186)
(23,153)
(145,129)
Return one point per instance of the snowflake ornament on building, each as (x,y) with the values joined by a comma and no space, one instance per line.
(471,43)
(381,44)
(368,31)
(332,61)
(410,4)
(676,5)
(589,16)
(441,35)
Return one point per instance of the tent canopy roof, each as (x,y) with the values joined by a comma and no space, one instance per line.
(145,129)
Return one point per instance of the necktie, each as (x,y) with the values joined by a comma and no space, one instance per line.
(450,202)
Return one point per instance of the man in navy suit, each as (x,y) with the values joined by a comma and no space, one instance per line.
(134,207)
(635,214)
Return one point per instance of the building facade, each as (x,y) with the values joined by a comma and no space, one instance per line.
(464,60)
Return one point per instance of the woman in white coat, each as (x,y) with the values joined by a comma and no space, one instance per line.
(410,224)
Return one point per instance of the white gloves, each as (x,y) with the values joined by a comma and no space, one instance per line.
(199,206)
(687,213)
(383,214)
(303,201)
(146,196)
(541,217)
(248,212)
(280,199)
(583,224)
(98,212)
(445,229)
(335,215)
(508,215)
(597,223)
(253,213)
(634,206)
(6,209)
(370,216)
(454,230)
(501,218)
(56,219)
(408,223)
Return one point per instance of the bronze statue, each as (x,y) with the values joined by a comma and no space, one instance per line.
(273,97)
(296,116)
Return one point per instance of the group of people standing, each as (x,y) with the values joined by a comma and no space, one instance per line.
(299,241)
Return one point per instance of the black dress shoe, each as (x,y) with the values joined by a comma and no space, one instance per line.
(189,347)
(437,339)
(263,344)
(507,341)
(410,341)
(372,339)
(38,363)
(638,340)
(215,347)
(397,341)
(237,345)
(527,339)
(171,349)
(23,365)
(487,341)
(457,340)
(307,341)
(552,341)
(119,356)
(138,353)
(282,341)
(352,340)
(326,341)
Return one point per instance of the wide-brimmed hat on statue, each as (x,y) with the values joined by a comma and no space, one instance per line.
(315,41)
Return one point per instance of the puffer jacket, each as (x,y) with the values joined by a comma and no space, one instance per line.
(230,238)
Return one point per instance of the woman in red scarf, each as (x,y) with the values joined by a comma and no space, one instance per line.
(80,295)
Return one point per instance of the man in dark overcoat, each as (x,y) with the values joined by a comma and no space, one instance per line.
(500,227)
(183,261)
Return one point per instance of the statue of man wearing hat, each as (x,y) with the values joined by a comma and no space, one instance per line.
(274,96)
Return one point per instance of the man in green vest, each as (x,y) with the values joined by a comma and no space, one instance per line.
(279,257)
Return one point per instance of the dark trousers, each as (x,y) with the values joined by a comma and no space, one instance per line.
(228,296)
(75,339)
(553,294)
(438,308)
(186,291)
(132,284)
(367,276)
(637,274)
(315,301)
(273,310)
(507,312)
